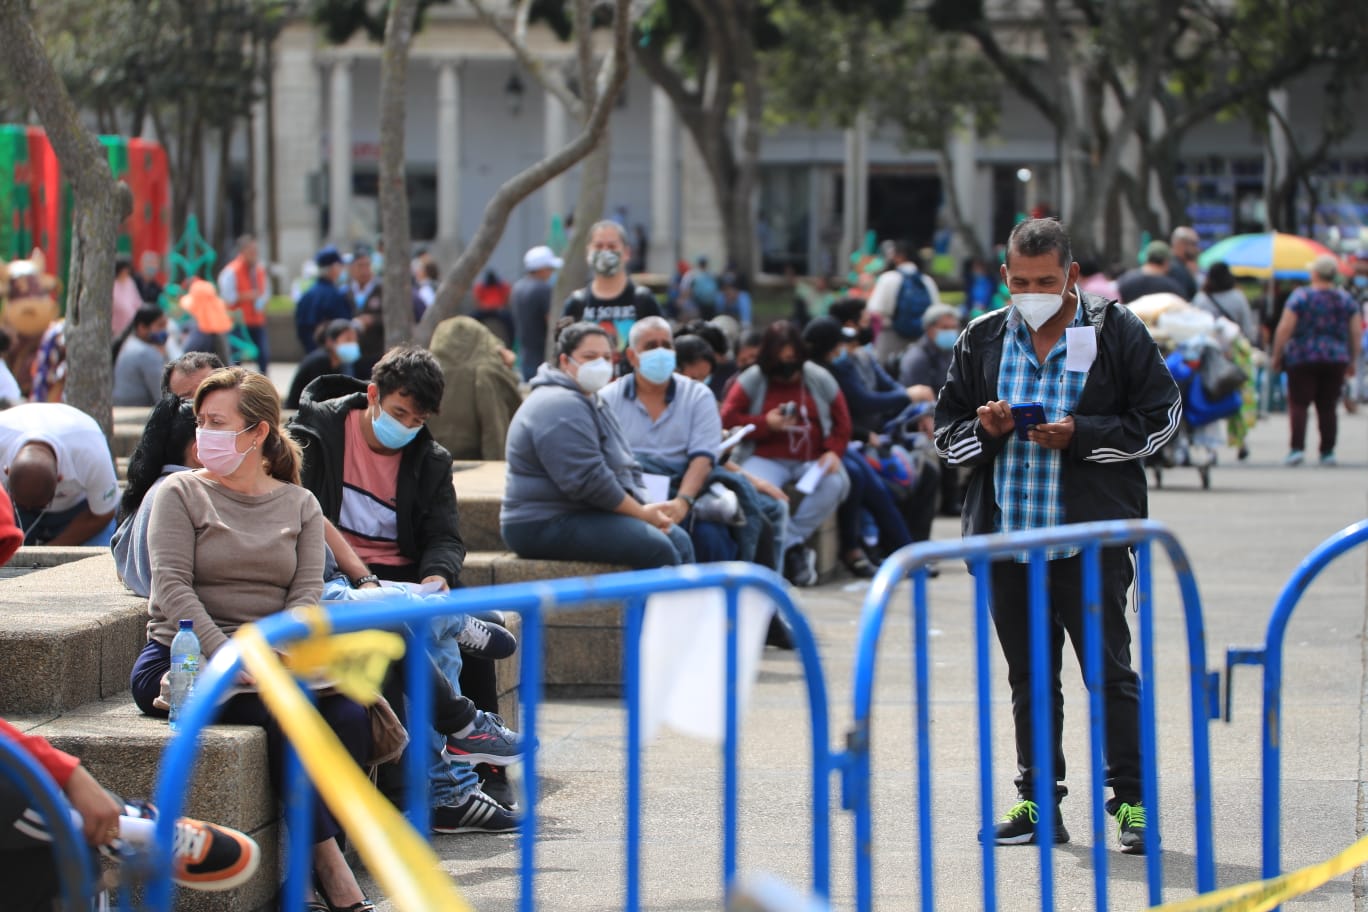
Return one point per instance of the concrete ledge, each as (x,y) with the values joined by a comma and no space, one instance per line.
(122,748)
(70,632)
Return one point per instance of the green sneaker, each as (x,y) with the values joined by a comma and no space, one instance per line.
(1130,828)
(1018,825)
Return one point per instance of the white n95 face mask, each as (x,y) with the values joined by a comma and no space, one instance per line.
(594,375)
(1037,309)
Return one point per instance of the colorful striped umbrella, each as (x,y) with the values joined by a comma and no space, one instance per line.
(1268,255)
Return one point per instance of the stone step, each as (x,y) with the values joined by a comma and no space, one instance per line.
(69,630)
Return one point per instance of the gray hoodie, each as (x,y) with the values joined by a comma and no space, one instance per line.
(566,453)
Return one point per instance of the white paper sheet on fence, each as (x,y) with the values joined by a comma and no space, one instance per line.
(684,660)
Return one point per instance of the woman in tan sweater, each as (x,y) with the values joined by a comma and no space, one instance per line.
(232,543)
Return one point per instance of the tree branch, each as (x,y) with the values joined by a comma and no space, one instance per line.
(516,39)
(1015,74)
(395,301)
(523,184)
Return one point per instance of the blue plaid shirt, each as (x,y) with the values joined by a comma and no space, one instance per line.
(1025,475)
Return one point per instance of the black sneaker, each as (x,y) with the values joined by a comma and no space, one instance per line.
(494,783)
(212,858)
(1018,825)
(485,640)
(476,813)
(1130,828)
(800,566)
(490,741)
(779,635)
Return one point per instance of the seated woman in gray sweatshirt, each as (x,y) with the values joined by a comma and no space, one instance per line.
(574,489)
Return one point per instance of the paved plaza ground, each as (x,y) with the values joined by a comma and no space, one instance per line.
(1244,537)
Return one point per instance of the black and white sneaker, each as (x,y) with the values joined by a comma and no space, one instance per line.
(476,813)
(494,783)
(800,566)
(485,640)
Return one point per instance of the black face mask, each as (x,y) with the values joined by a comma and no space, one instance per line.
(787,370)
(864,335)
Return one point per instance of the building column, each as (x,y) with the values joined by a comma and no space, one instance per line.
(340,151)
(664,251)
(259,222)
(856,187)
(448,158)
(553,140)
(298,153)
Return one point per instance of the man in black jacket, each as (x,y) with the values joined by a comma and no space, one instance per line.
(1109,402)
(386,484)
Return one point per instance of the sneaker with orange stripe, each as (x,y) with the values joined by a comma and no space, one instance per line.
(210,858)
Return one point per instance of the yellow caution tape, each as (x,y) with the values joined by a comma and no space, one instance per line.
(1265,894)
(402,861)
(353,663)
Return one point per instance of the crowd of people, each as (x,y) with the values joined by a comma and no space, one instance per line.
(652,436)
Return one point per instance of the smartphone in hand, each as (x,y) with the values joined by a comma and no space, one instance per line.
(1027,415)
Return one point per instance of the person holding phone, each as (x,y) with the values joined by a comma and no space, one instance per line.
(1054,403)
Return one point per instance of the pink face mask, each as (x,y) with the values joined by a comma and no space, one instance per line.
(218,450)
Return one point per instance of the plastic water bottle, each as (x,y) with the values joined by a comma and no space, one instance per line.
(185,663)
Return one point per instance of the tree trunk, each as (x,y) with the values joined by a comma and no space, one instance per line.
(101,204)
(272,214)
(517,188)
(394,209)
(955,205)
(223,222)
(589,207)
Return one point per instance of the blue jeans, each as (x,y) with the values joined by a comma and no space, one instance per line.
(815,508)
(712,542)
(449,783)
(602,537)
(42,526)
(867,492)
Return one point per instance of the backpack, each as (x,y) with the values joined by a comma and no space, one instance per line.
(703,293)
(913,299)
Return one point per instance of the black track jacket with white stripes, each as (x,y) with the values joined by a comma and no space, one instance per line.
(1128,410)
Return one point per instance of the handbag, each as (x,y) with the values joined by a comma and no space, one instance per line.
(1219,375)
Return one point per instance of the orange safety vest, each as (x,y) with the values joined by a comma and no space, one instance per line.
(251,284)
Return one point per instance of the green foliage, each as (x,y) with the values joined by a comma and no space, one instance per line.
(831,65)
(340,19)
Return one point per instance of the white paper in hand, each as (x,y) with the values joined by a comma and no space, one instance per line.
(811,479)
(657,488)
(684,660)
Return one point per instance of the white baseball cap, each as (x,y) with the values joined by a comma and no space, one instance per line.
(541,258)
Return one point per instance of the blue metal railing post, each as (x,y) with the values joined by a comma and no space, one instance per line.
(1149,738)
(631,688)
(983,629)
(1045,794)
(418,671)
(529,689)
(921,645)
(299,799)
(1097,726)
(729,775)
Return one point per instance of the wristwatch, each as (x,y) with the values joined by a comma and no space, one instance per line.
(688,499)
(362,580)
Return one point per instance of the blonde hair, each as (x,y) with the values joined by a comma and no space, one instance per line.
(258,403)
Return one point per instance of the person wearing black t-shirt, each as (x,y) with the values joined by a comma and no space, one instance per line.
(612,300)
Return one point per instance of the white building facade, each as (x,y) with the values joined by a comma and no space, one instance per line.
(475,119)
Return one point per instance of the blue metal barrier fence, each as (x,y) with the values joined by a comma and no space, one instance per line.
(75,865)
(532,601)
(980,552)
(1270,656)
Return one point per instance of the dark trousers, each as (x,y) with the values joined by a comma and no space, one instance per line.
(919,508)
(1319,383)
(349,720)
(28,868)
(1121,687)
(261,339)
(867,492)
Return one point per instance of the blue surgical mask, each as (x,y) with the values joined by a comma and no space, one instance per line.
(842,358)
(158,338)
(1361,281)
(390,432)
(348,352)
(656,365)
(946,338)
